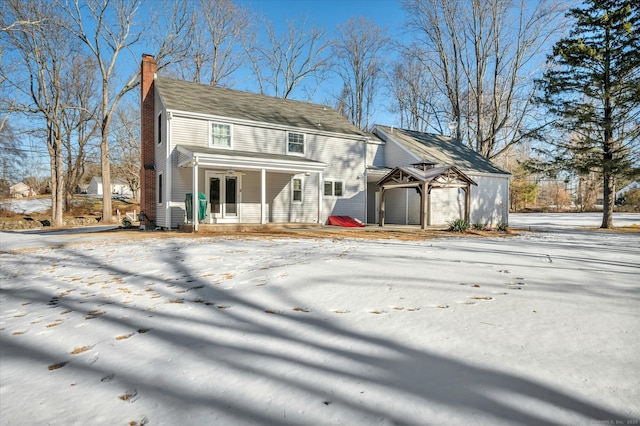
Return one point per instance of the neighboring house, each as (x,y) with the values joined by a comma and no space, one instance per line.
(83,188)
(118,187)
(633,185)
(20,190)
(259,159)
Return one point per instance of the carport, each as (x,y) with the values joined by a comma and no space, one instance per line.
(424,177)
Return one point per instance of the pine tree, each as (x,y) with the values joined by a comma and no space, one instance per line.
(593,87)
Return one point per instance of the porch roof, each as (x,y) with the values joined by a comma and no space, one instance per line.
(408,177)
(213,157)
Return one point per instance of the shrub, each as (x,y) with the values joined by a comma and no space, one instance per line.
(458,225)
(503,227)
(479,227)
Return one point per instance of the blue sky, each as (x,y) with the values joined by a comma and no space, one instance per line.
(387,14)
(330,13)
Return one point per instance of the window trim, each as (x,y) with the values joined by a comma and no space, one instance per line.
(159,123)
(333,188)
(211,144)
(293,190)
(304,143)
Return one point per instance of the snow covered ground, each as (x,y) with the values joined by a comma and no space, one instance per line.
(540,328)
(27,205)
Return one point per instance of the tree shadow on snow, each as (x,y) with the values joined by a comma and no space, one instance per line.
(291,358)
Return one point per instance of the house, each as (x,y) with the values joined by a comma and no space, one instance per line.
(118,187)
(633,185)
(255,159)
(20,190)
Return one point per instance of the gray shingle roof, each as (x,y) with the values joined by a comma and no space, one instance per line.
(443,150)
(186,96)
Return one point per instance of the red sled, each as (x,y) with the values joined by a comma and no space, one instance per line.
(345,221)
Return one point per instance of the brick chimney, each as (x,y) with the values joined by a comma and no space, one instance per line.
(147,146)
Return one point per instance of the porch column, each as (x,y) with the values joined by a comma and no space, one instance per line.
(195,201)
(424,207)
(382,191)
(428,189)
(467,202)
(263,196)
(320,194)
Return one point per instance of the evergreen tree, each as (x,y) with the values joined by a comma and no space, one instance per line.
(593,87)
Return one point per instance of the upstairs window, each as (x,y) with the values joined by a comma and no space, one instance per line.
(159,128)
(333,188)
(220,135)
(295,143)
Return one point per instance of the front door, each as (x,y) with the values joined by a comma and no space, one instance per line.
(223,194)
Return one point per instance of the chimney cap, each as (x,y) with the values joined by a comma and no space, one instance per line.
(144,55)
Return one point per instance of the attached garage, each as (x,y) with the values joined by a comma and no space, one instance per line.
(487,196)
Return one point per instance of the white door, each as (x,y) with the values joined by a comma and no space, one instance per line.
(223,196)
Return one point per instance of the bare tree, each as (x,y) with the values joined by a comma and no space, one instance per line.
(79,123)
(358,54)
(107,28)
(482,55)
(11,158)
(285,61)
(39,52)
(126,147)
(416,100)
(218,31)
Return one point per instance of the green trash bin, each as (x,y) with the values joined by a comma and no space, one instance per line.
(202,206)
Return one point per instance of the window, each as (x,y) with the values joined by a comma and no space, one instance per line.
(220,135)
(160,188)
(295,143)
(333,188)
(296,190)
(159,128)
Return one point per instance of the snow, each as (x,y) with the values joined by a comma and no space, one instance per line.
(150,328)
(27,205)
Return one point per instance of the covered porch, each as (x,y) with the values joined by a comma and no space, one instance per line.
(249,188)
(424,177)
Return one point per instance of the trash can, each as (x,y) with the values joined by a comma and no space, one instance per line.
(202,206)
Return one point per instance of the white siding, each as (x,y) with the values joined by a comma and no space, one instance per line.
(345,162)
(344,159)
(490,200)
(396,155)
(189,131)
(447,204)
(375,154)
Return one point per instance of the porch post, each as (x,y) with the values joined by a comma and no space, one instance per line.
(428,189)
(467,203)
(195,201)
(422,203)
(425,219)
(382,191)
(263,196)
(320,194)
